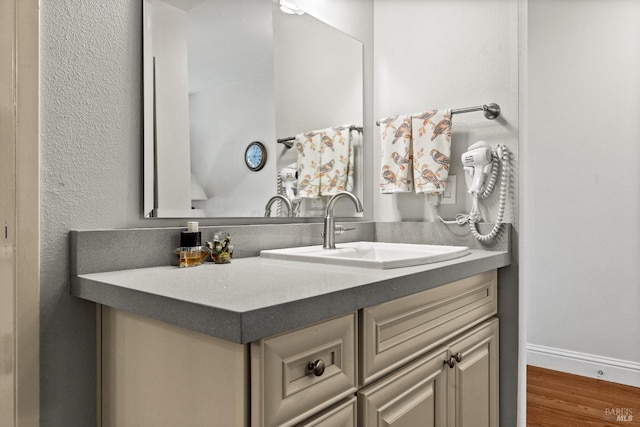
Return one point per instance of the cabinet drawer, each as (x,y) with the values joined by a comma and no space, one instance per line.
(398,331)
(283,390)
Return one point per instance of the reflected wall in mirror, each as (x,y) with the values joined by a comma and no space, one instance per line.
(221,74)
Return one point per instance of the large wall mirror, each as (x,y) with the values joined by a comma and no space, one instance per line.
(220,75)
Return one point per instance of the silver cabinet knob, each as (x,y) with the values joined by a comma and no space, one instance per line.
(317,367)
(453,359)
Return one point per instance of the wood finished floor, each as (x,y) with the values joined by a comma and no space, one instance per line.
(564,400)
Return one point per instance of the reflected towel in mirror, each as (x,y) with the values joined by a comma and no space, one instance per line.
(308,147)
(336,157)
(325,161)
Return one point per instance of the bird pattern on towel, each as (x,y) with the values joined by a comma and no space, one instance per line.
(425,118)
(416,152)
(429,176)
(403,131)
(388,176)
(432,151)
(442,128)
(308,163)
(441,159)
(325,161)
(400,160)
(396,170)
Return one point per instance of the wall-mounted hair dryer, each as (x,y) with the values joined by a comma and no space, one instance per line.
(481,166)
(289,179)
(477,165)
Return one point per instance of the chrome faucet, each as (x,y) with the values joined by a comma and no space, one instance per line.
(287,202)
(329,221)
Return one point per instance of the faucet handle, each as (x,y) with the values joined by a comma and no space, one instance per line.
(341,229)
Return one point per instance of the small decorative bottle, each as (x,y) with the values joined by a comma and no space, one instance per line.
(191,251)
(221,248)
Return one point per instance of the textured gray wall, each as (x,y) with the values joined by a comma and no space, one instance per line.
(90,177)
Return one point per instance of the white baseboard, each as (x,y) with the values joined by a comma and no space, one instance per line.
(587,365)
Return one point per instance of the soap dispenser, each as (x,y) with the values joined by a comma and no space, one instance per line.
(191,251)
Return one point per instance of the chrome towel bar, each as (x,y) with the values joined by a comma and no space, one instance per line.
(288,142)
(491,111)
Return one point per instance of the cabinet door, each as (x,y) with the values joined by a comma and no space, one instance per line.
(473,379)
(415,395)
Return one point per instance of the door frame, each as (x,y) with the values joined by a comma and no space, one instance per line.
(20,213)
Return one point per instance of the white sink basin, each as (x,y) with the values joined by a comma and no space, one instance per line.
(370,254)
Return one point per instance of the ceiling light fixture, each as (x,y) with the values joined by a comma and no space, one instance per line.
(291,8)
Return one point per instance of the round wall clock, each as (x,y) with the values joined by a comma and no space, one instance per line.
(255,156)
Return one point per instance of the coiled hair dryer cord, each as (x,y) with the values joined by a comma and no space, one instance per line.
(501,152)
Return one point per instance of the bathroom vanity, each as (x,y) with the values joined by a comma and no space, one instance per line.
(266,342)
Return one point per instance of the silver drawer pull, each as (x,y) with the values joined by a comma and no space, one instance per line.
(316,367)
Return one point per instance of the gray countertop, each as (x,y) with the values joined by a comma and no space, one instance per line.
(253,298)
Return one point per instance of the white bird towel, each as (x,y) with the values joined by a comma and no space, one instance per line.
(336,160)
(396,171)
(308,147)
(431,150)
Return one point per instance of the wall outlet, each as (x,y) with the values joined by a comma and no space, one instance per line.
(449,195)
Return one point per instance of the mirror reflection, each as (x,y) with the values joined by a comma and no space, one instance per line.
(243,102)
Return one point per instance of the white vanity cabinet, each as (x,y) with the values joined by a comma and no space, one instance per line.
(454,385)
(426,358)
(440,369)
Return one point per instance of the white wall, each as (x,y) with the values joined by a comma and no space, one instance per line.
(232,105)
(580,240)
(223,125)
(318,76)
(173,159)
(444,54)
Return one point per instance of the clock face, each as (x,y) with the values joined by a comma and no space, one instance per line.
(255,156)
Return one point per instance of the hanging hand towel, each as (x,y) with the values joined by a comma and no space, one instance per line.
(336,160)
(308,146)
(431,150)
(396,172)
